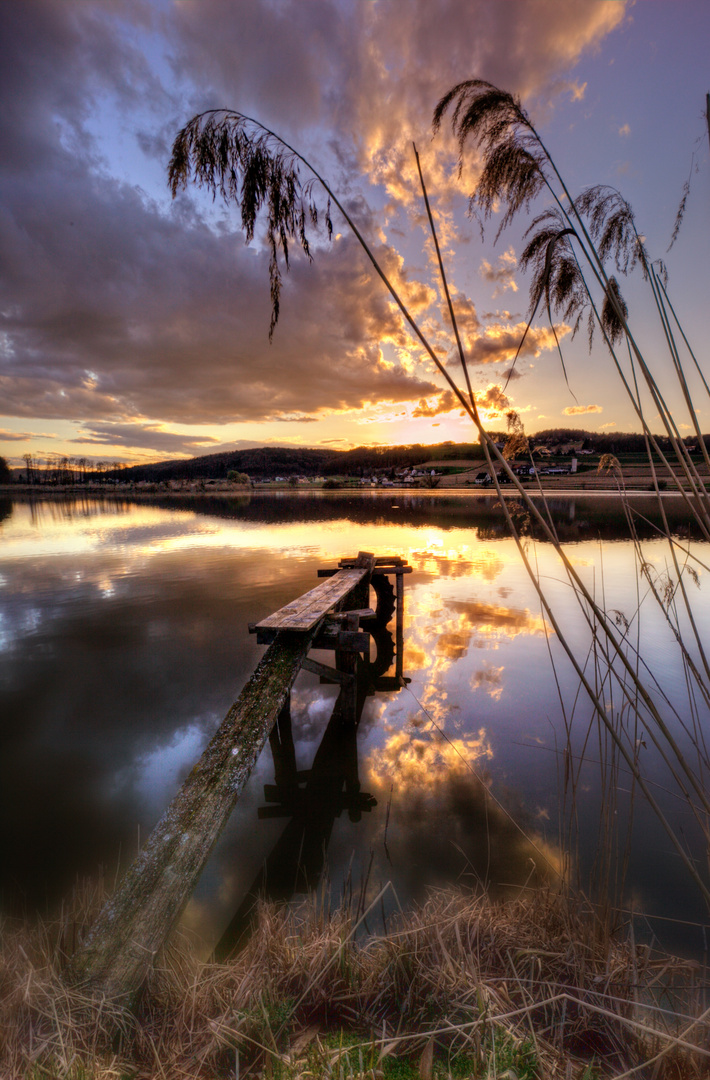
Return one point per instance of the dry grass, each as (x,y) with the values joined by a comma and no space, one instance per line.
(460,987)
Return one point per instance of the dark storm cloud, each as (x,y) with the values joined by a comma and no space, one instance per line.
(115,306)
(112,308)
(146,437)
(56,59)
(129,312)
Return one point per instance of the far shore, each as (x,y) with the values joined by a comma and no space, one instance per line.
(589,489)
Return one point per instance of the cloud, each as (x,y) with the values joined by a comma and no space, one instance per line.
(578,410)
(173,322)
(500,342)
(445,402)
(414,762)
(489,679)
(606,427)
(624,130)
(118,308)
(455,563)
(503,276)
(437,790)
(498,315)
(145,437)
(577,90)
(524,52)
(493,621)
(22,436)
(493,401)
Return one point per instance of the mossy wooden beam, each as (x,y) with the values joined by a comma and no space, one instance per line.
(134,925)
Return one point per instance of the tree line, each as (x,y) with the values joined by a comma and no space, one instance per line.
(64,471)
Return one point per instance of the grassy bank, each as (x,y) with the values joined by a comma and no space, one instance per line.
(461,987)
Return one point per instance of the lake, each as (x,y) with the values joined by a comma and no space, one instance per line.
(124,640)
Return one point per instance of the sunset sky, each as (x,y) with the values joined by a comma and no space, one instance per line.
(134,327)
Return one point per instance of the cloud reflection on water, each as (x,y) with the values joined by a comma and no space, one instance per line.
(125,641)
(443,823)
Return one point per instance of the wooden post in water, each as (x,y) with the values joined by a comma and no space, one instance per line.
(399,627)
(134,925)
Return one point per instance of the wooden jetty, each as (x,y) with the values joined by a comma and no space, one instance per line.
(121,947)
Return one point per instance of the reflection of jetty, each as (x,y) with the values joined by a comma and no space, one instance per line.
(135,923)
(313,798)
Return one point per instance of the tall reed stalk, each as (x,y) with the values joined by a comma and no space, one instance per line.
(573,246)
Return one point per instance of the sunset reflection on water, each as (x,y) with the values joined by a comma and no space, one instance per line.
(123,642)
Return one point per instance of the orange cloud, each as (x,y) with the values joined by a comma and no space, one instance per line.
(96,333)
(493,401)
(499,342)
(444,816)
(446,402)
(492,620)
(578,410)
(394,53)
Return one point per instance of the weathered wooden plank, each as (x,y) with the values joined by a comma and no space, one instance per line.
(303,614)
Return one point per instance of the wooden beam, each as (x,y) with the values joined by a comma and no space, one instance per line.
(342,616)
(327,674)
(329,636)
(344,640)
(135,923)
(380,560)
(377,572)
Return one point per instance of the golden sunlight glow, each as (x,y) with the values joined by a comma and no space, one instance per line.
(409,760)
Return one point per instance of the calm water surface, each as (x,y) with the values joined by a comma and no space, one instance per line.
(123,642)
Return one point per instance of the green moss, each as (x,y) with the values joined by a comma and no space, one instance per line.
(349,1054)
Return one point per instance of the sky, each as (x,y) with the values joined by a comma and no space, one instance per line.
(134,327)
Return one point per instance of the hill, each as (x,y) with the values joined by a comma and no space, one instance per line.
(268,462)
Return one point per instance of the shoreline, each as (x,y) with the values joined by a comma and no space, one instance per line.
(463,986)
(40,492)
